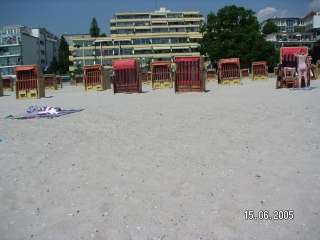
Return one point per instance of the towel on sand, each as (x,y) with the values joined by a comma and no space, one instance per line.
(44,112)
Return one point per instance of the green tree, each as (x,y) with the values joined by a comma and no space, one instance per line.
(63,56)
(103,35)
(270,27)
(78,69)
(94,29)
(54,67)
(315,53)
(235,32)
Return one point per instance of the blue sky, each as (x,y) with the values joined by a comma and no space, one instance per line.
(74,16)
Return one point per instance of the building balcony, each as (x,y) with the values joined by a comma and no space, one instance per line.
(151,55)
(156,34)
(73,48)
(155,27)
(157,19)
(10,66)
(153,49)
(6,55)
(129,20)
(297,41)
(10,45)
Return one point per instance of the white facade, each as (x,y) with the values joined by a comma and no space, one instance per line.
(316,21)
(296,31)
(20,45)
(286,25)
(312,21)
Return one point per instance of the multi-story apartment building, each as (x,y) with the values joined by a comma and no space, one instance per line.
(292,39)
(48,46)
(162,21)
(286,25)
(22,45)
(145,35)
(296,31)
(312,23)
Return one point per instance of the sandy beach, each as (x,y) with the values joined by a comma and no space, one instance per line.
(162,166)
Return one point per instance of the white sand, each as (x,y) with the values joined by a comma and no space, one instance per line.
(162,166)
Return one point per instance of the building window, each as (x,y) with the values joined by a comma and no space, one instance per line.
(160,41)
(125,31)
(79,43)
(143,41)
(10,61)
(122,43)
(184,50)
(174,15)
(126,51)
(83,53)
(106,62)
(158,16)
(7,71)
(143,30)
(137,24)
(177,30)
(139,16)
(175,23)
(159,30)
(192,29)
(106,43)
(161,51)
(191,15)
(125,24)
(141,52)
(179,40)
(104,52)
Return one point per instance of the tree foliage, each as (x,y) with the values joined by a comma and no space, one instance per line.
(235,32)
(54,66)
(78,69)
(94,29)
(63,56)
(315,53)
(270,27)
